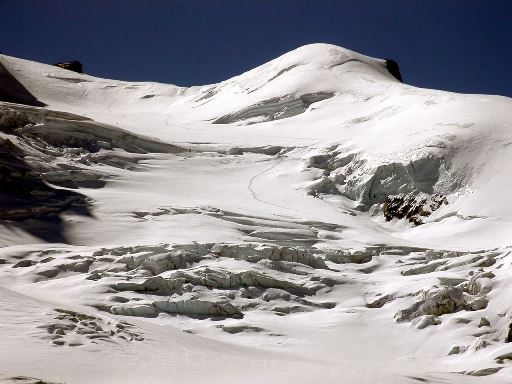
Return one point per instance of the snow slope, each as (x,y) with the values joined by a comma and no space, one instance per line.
(239,228)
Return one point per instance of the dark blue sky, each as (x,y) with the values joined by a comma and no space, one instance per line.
(463,46)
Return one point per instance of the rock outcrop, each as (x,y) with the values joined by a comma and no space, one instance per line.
(394,69)
(412,206)
(74,66)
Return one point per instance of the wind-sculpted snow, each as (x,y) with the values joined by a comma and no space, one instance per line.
(273,109)
(313,219)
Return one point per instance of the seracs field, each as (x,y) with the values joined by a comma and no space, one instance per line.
(312,220)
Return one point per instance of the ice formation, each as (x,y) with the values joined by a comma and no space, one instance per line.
(313,219)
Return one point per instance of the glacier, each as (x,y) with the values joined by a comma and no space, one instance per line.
(312,219)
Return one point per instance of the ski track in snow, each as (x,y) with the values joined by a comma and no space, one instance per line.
(252,190)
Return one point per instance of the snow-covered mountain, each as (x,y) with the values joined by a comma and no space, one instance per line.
(313,219)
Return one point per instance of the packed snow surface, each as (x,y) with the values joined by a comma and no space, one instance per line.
(311,220)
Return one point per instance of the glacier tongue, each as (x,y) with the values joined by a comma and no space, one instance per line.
(311,219)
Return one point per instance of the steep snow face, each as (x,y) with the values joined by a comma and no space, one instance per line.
(311,214)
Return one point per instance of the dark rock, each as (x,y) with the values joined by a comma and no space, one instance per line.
(74,66)
(393,69)
(484,322)
(412,207)
(24,264)
(509,335)
(317,161)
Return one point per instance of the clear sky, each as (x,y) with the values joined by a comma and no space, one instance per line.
(456,45)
